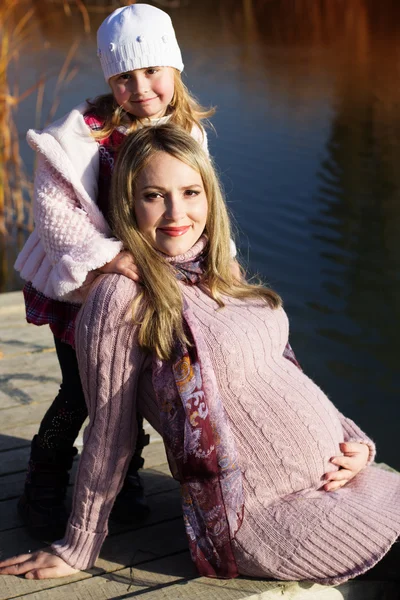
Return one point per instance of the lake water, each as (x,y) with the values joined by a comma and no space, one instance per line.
(308,145)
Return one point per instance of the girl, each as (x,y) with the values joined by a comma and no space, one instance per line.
(248,435)
(72,241)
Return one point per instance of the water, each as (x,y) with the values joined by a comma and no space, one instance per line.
(308,146)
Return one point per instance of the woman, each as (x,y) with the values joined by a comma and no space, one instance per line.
(201,355)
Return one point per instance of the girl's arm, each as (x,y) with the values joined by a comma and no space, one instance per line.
(74,245)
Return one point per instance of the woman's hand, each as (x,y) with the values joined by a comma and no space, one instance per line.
(124,264)
(39,565)
(354,459)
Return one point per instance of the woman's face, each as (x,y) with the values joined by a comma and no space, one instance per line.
(170,204)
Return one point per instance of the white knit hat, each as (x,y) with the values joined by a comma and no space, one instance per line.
(136,37)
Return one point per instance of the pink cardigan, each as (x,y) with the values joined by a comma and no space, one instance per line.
(71,237)
(285,430)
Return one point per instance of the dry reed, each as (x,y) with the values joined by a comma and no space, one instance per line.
(15,185)
(15,33)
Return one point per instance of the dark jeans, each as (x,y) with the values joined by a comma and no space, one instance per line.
(63,420)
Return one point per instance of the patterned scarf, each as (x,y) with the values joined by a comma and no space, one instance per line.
(199,443)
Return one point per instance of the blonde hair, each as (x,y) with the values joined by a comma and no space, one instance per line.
(184,109)
(158,308)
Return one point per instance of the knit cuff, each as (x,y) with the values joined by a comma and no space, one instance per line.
(371,448)
(68,275)
(79,548)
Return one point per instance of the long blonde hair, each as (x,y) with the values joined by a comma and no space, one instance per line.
(158,308)
(184,109)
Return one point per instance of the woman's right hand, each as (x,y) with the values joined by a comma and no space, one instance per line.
(39,565)
(124,264)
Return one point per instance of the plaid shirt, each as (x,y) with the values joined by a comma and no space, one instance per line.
(60,316)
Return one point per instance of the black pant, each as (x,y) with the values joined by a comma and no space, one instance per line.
(63,420)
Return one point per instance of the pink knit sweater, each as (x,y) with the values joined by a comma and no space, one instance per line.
(285,428)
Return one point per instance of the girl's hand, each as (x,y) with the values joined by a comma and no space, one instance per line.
(236,270)
(39,565)
(354,459)
(124,264)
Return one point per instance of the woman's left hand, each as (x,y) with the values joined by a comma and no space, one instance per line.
(39,565)
(354,459)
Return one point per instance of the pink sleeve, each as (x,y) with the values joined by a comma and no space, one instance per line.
(110,363)
(74,245)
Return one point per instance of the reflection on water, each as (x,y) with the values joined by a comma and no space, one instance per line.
(308,146)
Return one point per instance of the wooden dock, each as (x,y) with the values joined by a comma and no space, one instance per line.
(149,561)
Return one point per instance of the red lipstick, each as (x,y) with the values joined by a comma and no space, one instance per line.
(174,231)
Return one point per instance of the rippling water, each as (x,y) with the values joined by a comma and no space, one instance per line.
(308,145)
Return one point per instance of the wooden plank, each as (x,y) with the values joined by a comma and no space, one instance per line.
(14,460)
(13,465)
(156,485)
(13,469)
(11,301)
(152,575)
(353,590)
(29,378)
(127,548)
(11,486)
(157,480)
(161,580)
(174,577)
(17,339)
(17,437)
(18,417)
(154,454)
(15,587)
(164,502)
(23,389)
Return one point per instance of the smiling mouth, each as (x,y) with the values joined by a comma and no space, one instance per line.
(174,231)
(144,100)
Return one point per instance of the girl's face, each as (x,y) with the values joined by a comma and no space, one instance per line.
(170,204)
(144,92)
